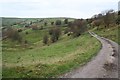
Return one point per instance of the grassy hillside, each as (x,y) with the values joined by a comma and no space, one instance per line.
(111,33)
(36,59)
(50,61)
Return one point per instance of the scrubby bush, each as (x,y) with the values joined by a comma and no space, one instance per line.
(52,23)
(78,27)
(34,27)
(45,24)
(13,35)
(41,27)
(51,31)
(27,25)
(70,24)
(66,21)
(45,39)
(26,42)
(66,30)
(118,20)
(55,34)
(26,32)
(58,22)
(53,38)
(19,30)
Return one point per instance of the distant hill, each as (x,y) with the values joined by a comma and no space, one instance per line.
(9,21)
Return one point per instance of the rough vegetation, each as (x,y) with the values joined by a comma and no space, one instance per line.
(107,25)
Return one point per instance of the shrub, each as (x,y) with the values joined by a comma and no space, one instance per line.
(118,20)
(52,23)
(45,24)
(27,25)
(69,33)
(66,21)
(25,41)
(19,30)
(45,39)
(26,32)
(66,31)
(34,27)
(58,22)
(13,34)
(78,27)
(41,27)
(51,31)
(53,38)
(55,34)
(70,24)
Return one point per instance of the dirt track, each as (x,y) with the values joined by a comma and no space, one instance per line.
(96,68)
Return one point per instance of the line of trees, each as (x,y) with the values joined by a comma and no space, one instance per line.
(107,18)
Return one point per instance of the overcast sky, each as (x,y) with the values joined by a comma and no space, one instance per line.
(55,8)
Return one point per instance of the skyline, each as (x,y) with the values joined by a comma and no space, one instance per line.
(53,8)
